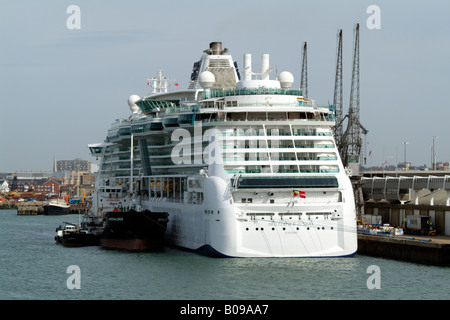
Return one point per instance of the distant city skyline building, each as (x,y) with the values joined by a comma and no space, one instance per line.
(76,164)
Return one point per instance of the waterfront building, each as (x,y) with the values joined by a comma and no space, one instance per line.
(77,164)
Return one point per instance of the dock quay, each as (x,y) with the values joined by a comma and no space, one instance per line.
(34,208)
(7,206)
(418,249)
(394,200)
(31,208)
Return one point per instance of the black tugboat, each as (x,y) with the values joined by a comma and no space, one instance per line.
(134,231)
(74,236)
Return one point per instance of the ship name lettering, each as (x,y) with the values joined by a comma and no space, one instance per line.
(115,219)
(279,223)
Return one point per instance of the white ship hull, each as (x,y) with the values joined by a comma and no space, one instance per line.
(257,238)
(225,232)
(220,225)
(249,169)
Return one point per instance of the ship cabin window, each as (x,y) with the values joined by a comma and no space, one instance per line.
(231,103)
(154,126)
(293,115)
(124,131)
(277,116)
(236,116)
(169,122)
(195,183)
(138,128)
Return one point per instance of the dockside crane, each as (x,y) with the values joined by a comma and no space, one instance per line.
(348,139)
(304,78)
(338,97)
(350,143)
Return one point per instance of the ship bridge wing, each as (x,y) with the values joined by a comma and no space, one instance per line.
(98,148)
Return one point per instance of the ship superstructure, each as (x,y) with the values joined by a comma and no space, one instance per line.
(244,165)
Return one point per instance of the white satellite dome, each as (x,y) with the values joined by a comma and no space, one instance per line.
(207,79)
(286,79)
(132,103)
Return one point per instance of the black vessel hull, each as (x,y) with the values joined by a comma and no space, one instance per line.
(134,231)
(78,239)
(53,210)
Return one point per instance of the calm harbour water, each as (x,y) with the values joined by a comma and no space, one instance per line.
(35,267)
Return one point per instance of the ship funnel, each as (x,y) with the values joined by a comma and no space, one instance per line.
(247,66)
(259,79)
(265,67)
(215,48)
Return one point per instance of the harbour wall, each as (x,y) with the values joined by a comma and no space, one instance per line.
(30,208)
(34,208)
(423,251)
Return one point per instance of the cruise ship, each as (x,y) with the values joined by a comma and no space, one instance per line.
(244,165)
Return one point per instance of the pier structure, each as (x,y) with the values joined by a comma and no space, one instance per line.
(390,199)
(31,208)
(34,208)
(395,197)
(428,251)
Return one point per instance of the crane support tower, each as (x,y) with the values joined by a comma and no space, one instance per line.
(351,143)
(304,78)
(338,97)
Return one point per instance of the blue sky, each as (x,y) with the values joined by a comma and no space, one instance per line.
(60,89)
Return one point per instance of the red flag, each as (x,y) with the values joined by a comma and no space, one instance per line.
(176,84)
(299,193)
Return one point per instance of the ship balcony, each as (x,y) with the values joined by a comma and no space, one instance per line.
(266,115)
(273,147)
(278,168)
(275,156)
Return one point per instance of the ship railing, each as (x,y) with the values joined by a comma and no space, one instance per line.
(217,93)
(288,146)
(328,119)
(233,104)
(269,134)
(280,171)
